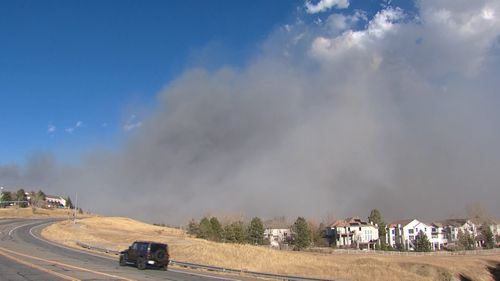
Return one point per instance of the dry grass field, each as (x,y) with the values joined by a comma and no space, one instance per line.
(118,233)
(13,212)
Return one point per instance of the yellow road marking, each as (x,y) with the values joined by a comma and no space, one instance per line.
(68,265)
(65,277)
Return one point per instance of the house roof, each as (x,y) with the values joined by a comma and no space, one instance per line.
(438,224)
(276,223)
(401,222)
(454,222)
(351,221)
(53,197)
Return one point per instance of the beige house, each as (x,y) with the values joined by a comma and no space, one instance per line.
(353,233)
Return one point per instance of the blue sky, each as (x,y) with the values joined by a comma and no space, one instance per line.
(64,63)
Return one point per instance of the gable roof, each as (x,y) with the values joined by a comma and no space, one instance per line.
(351,221)
(454,222)
(401,222)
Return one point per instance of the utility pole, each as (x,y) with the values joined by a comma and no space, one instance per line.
(76,207)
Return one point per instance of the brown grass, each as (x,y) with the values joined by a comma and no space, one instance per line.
(14,212)
(119,233)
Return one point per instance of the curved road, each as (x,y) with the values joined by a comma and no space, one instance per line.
(24,255)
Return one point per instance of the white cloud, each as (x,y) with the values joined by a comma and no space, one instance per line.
(383,22)
(340,22)
(324,5)
(132,123)
(70,130)
(51,129)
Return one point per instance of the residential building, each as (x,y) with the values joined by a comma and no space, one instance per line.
(55,201)
(453,227)
(277,232)
(438,237)
(403,233)
(353,232)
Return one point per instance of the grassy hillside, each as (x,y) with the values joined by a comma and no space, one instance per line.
(119,233)
(13,212)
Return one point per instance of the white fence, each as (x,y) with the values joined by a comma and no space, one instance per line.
(397,253)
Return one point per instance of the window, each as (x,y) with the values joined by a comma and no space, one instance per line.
(393,232)
(410,230)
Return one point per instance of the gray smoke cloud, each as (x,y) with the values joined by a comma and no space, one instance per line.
(399,115)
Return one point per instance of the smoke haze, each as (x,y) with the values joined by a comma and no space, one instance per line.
(400,114)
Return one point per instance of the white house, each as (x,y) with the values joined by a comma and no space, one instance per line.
(438,236)
(353,232)
(55,201)
(277,232)
(495,229)
(453,226)
(404,232)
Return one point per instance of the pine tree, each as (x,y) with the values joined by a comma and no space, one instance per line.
(5,196)
(376,218)
(301,234)
(465,240)
(228,234)
(255,232)
(193,227)
(216,229)
(239,232)
(69,204)
(422,243)
(489,240)
(205,229)
(21,196)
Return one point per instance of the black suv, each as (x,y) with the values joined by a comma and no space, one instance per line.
(144,254)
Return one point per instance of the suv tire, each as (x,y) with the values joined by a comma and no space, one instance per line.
(160,255)
(141,263)
(123,260)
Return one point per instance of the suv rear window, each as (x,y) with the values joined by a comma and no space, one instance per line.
(155,247)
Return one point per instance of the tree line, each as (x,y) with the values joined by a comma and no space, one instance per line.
(36,200)
(303,233)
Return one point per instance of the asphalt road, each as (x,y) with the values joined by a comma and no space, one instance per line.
(26,256)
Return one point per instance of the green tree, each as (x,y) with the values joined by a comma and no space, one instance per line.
(255,232)
(239,232)
(216,229)
(301,234)
(465,240)
(5,196)
(376,218)
(69,204)
(193,227)
(21,196)
(489,240)
(228,234)
(205,229)
(422,243)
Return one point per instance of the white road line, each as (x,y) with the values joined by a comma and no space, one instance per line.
(63,246)
(109,258)
(15,228)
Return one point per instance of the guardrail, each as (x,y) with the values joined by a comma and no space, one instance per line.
(215,268)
